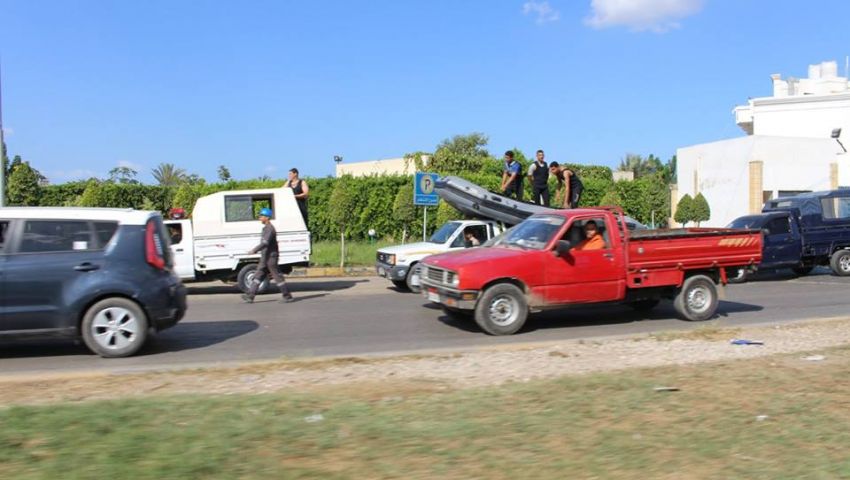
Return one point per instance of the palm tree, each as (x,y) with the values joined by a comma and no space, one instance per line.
(167,175)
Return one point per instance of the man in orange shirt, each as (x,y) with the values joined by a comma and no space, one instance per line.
(593,240)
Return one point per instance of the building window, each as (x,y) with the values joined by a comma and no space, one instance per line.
(836,207)
(244,208)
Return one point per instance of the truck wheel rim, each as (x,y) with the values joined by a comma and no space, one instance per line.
(503,310)
(115,328)
(844,263)
(414,278)
(699,298)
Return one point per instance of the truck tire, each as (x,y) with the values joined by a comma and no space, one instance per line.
(697,300)
(401,285)
(413,279)
(114,327)
(802,270)
(840,263)
(737,274)
(246,275)
(644,305)
(501,310)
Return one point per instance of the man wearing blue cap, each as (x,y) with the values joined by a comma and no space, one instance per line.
(268,260)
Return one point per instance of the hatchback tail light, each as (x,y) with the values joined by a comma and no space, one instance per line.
(154,252)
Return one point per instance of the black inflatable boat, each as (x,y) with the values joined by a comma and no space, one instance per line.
(476,201)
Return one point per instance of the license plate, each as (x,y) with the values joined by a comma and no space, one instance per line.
(434,297)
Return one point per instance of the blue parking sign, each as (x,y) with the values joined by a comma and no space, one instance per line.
(424,191)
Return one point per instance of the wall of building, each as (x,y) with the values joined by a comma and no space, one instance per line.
(802,116)
(390,166)
(721,171)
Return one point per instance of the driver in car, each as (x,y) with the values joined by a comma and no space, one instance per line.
(593,240)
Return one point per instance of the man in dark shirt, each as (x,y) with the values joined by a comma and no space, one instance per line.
(569,183)
(268,260)
(538,173)
(512,177)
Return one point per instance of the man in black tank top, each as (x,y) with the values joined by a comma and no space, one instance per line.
(569,183)
(301,191)
(538,174)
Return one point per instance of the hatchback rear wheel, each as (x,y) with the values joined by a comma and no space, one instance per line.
(115,327)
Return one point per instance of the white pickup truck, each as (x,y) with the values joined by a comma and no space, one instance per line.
(224,227)
(398,263)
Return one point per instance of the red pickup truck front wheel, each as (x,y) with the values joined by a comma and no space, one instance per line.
(501,310)
(697,300)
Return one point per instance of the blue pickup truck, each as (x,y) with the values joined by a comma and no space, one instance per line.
(802,232)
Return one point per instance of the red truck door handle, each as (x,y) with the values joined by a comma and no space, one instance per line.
(608,255)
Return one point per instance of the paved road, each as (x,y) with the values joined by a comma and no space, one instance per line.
(366,315)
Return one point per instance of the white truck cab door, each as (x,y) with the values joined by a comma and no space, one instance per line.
(182,247)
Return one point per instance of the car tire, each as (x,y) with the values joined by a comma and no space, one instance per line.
(803,270)
(645,305)
(697,300)
(401,285)
(840,263)
(246,275)
(458,314)
(115,327)
(501,310)
(737,275)
(413,280)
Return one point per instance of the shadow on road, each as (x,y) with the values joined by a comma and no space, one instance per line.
(786,274)
(589,316)
(183,336)
(193,335)
(294,286)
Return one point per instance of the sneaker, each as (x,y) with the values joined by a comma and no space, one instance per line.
(247,298)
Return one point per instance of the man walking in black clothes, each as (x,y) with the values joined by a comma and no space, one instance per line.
(268,260)
(569,183)
(538,174)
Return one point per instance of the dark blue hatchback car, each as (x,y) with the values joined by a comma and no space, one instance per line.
(100,274)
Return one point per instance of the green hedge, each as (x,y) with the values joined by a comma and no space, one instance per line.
(375,197)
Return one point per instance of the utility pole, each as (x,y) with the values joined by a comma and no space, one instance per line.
(2,147)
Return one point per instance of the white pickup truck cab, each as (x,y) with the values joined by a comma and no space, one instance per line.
(213,245)
(398,263)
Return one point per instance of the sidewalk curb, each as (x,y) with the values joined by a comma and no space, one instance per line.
(315,272)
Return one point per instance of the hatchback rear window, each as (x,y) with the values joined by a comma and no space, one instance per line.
(104,231)
(56,236)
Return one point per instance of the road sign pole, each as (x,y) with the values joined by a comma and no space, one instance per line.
(424,222)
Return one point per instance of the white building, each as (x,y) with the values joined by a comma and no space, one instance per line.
(390,166)
(789,148)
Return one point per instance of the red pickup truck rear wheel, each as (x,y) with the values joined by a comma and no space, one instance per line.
(697,300)
(501,310)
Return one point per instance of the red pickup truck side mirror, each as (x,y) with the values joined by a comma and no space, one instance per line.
(562,248)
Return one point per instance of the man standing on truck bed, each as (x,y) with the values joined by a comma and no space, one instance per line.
(538,173)
(569,183)
(268,260)
(512,177)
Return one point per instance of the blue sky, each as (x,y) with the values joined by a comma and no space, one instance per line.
(264,86)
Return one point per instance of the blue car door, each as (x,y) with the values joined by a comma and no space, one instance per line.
(780,242)
(50,261)
(4,245)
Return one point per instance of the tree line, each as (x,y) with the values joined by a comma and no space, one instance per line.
(351,206)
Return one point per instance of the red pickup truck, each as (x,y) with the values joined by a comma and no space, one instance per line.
(549,260)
